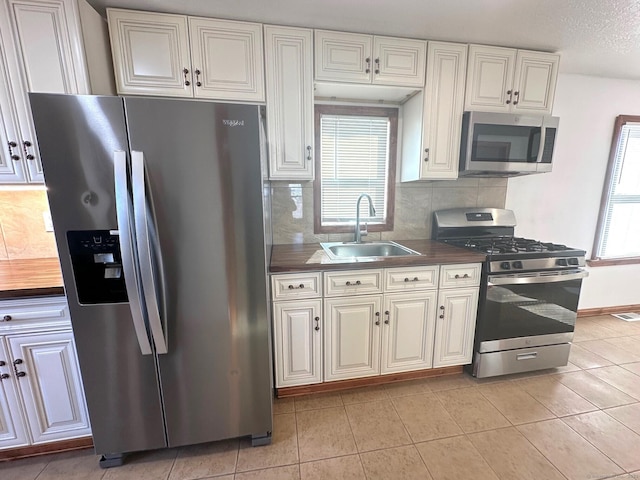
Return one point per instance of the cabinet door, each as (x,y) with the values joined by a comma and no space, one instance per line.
(407,335)
(298,342)
(289,81)
(343,57)
(45,54)
(51,388)
(227,59)
(443,108)
(399,61)
(455,326)
(12,427)
(352,337)
(150,53)
(490,78)
(535,82)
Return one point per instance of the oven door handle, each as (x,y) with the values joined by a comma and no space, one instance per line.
(520,279)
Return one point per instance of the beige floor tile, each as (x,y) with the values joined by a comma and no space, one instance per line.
(205,460)
(23,469)
(620,378)
(512,457)
(596,391)
(283,405)
(344,468)
(319,400)
(376,425)
(283,449)
(401,463)
(425,418)
(450,382)
(591,330)
(455,458)
(366,394)
(471,411)
(292,472)
(412,387)
(630,344)
(151,465)
(611,352)
(620,327)
(324,433)
(628,415)
(611,437)
(569,367)
(77,465)
(569,452)
(584,358)
(627,476)
(632,367)
(514,403)
(555,396)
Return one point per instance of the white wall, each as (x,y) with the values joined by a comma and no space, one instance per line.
(562,206)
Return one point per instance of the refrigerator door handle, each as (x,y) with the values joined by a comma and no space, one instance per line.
(125,230)
(141,209)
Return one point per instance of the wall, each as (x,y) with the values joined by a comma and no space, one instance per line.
(22,228)
(292,207)
(562,206)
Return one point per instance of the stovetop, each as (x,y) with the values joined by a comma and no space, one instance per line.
(513,246)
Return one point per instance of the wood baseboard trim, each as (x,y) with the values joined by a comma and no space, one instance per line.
(46,448)
(590,312)
(339,385)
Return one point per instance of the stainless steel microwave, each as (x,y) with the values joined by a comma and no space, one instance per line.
(506,145)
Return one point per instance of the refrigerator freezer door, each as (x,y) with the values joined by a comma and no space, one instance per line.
(78,136)
(204,176)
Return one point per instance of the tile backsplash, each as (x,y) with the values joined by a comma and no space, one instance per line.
(22,226)
(292,207)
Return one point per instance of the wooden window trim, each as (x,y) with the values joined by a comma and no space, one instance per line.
(392,114)
(596,261)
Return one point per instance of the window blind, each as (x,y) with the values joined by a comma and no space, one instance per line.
(621,229)
(354,159)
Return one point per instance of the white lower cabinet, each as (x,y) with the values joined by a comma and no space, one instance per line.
(455,327)
(41,394)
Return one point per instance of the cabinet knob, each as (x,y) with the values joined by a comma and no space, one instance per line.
(426,154)
(377,62)
(441,316)
(18,361)
(15,158)
(386,312)
(377,318)
(2,363)
(466,275)
(198,82)
(441,307)
(7,318)
(317,327)
(368,66)
(309,152)
(21,374)
(4,376)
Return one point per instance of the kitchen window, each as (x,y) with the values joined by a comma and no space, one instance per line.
(355,154)
(618,227)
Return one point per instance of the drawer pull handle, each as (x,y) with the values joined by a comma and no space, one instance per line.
(4,376)
(414,279)
(386,312)
(377,318)
(7,318)
(527,356)
(466,275)
(348,284)
(21,374)
(317,327)
(301,286)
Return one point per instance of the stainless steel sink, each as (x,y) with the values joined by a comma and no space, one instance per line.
(345,250)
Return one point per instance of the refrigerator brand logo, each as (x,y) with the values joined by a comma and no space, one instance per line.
(233,123)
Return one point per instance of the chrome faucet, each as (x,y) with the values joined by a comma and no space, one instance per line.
(372,213)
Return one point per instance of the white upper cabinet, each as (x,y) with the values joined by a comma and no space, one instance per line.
(42,51)
(357,58)
(175,55)
(227,59)
(508,80)
(150,53)
(289,88)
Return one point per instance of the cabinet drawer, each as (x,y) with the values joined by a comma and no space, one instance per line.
(461,275)
(296,285)
(413,278)
(352,282)
(34,313)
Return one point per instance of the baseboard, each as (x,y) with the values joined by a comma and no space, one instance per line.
(339,385)
(46,448)
(590,312)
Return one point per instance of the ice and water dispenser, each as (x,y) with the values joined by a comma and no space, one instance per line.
(97,266)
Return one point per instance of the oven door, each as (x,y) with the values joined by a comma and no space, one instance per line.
(529,309)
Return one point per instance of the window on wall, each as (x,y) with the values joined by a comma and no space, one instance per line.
(618,235)
(355,154)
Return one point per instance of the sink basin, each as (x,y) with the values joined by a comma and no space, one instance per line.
(344,250)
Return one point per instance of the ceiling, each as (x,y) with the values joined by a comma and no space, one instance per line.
(594,37)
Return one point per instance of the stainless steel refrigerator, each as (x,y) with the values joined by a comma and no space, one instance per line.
(157,206)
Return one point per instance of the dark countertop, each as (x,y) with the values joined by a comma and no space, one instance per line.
(310,256)
(34,277)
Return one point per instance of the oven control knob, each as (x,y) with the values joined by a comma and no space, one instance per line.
(505,266)
(573,261)
(561,262)
(517,264)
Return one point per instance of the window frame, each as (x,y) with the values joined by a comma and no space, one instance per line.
(392,114)
(595,260)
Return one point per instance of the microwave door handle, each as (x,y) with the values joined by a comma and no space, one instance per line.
(143,240)
(543,136)
(125,231)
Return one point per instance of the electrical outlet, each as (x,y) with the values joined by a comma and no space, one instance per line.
(48,223)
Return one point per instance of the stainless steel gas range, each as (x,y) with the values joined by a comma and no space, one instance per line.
(528,295)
